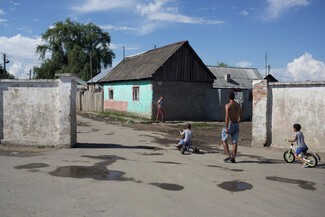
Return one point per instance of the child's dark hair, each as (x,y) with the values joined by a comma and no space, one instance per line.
(231,95)
(297,127)
(188,126)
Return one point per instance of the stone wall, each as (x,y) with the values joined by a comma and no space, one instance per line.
(38,112)
(277,106)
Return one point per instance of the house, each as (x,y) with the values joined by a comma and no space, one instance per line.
(229,79)
(270,78)
(174,71)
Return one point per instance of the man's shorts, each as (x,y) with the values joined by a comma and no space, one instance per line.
(161,111)
(301,149)
(233,130)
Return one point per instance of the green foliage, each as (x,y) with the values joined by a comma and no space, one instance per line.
(6,75)
(222,64)
(71,47)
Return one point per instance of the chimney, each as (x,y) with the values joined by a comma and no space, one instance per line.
(227,77)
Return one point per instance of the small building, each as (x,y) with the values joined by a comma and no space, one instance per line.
(235,79)
(174,71)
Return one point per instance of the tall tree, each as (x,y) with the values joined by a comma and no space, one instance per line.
(72,47)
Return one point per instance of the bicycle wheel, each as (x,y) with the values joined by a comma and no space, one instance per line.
(288,156)
(312,160)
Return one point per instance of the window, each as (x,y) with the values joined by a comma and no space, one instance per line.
(135,93)
(110,94)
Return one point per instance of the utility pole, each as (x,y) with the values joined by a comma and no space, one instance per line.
(5,61)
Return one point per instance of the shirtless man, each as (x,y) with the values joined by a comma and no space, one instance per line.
(232,119)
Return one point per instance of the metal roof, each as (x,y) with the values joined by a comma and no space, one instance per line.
(238,77)
(99,76)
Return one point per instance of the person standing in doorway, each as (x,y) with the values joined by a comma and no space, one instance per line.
(161,110)
(232,119)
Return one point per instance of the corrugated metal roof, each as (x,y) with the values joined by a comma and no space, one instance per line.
(99,76)
(239,77)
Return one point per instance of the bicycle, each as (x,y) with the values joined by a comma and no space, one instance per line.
(311,159)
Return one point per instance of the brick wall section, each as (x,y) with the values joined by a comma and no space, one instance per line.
(115,105)
(259,119)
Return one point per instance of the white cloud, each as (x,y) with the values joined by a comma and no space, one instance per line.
(20,52)
(277,7)
(102,5)
(118,28)
(2,12)
(244,64)
(244,13)
(306,68)
(2,21)
(159,12)
(25,29)
(153,14)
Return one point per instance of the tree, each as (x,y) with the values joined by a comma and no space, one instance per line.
(222,64)
(82,49)
(5,75)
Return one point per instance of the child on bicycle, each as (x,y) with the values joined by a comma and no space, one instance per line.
(186,136)
(301,145)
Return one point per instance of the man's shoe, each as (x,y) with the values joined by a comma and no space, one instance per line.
(232,160)
(226,160)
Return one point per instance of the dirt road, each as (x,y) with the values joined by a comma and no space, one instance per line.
(122,171)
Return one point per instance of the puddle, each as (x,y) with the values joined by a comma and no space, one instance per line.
(235,186)
(94,172)
(301,183)
(108,159)
(32,166)
(168,186)
(166,162)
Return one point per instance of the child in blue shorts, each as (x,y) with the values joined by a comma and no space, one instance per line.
(301,145)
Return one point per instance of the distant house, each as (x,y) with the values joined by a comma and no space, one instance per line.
(270,78)
(229,79)
(174,71)
(93,82)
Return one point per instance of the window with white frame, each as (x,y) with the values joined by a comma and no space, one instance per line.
(110,94)
(135,93)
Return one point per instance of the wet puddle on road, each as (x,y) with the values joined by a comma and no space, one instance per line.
(301,183)
(235,186)
(94,172)
(32,166)
(168,186)
(107,159)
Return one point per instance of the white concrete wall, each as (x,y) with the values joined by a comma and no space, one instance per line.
(38,112)
(285,104)
(259,118)
(302,103)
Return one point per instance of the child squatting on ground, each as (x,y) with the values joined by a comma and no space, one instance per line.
(187,136)
(301,145)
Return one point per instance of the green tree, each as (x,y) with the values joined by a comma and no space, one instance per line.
(5,75)
(222,64)
(72,47)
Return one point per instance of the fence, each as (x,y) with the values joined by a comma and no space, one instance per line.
(90,100)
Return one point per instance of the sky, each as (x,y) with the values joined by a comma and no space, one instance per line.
(240,33)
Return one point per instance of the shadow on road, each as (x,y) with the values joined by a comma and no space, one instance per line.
(114,146)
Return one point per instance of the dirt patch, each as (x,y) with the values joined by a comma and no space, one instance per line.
(206,135)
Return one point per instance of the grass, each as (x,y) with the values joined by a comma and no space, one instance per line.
(121,116)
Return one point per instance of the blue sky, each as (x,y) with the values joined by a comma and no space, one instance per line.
(236,32)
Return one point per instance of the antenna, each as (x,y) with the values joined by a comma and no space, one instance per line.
(265,63)
(123,53)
